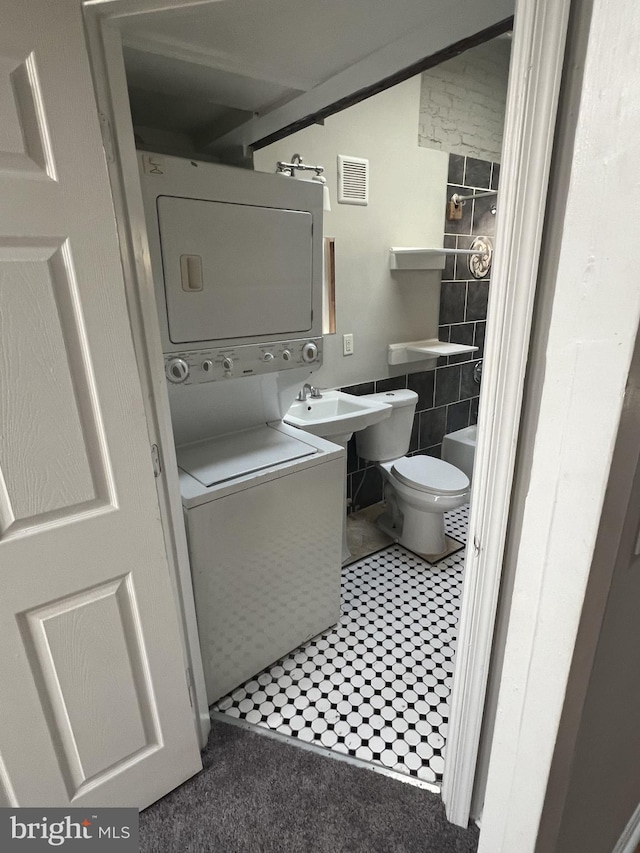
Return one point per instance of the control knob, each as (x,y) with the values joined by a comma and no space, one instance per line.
(286,355)
(227,363)
(309,352)
(207,365)
(177,370)
(268,356)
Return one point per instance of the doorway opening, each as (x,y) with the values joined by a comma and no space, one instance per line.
(377,686)
(504,375)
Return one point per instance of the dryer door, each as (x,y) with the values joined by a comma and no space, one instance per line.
(234,271)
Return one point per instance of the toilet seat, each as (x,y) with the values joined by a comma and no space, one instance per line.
(431,475)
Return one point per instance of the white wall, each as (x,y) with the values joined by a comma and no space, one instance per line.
(407,196)
(462,102)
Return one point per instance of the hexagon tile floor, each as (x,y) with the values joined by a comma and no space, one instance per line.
(377,685)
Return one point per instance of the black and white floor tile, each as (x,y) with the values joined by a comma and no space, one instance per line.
(377,685)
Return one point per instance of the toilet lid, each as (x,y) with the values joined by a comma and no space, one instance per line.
(428,474)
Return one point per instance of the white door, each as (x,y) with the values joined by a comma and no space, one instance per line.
(94,706)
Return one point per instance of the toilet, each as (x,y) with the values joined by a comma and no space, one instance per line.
(418,490)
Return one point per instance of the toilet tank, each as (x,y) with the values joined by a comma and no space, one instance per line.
(389,439)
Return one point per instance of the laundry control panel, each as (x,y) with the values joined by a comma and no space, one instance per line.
(234,362)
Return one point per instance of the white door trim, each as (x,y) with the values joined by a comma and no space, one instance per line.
(112,9)
(537,60)
(534,85)
(105,53)
(585,335)
(630,838)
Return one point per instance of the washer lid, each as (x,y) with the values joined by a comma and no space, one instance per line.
(226,457)
(428,474)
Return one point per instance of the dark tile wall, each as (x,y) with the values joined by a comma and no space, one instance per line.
(447,396)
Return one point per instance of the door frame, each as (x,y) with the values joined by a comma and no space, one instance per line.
(537,60)
(104,44)
(534,82)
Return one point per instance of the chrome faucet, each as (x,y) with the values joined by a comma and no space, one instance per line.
(308,390)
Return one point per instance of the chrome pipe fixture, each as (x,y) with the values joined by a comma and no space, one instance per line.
(296,164)
(461,199)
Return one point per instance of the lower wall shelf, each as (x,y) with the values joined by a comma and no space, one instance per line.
(480,255)
(424,350)
(416,259)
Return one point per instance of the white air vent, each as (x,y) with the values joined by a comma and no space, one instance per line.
(353,180)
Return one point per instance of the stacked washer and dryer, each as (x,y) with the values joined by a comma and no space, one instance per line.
(236,258)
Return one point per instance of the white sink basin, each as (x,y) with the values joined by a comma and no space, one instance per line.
(336,414)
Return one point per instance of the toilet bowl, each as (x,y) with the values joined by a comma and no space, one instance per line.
(419,489)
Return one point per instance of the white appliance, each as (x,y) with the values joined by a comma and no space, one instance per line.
(237,265)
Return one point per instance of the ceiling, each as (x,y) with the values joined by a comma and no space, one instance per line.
(216,71)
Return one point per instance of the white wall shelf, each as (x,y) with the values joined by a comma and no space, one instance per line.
(410,258)
(424,350)
(416,258)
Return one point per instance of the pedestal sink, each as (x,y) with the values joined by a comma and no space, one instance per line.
(336,416)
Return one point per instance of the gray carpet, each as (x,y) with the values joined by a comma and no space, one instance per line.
(258,795)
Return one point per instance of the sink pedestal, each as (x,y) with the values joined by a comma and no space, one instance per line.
(336,416)
(343,440)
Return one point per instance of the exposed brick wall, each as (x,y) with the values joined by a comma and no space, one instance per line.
(463,100)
